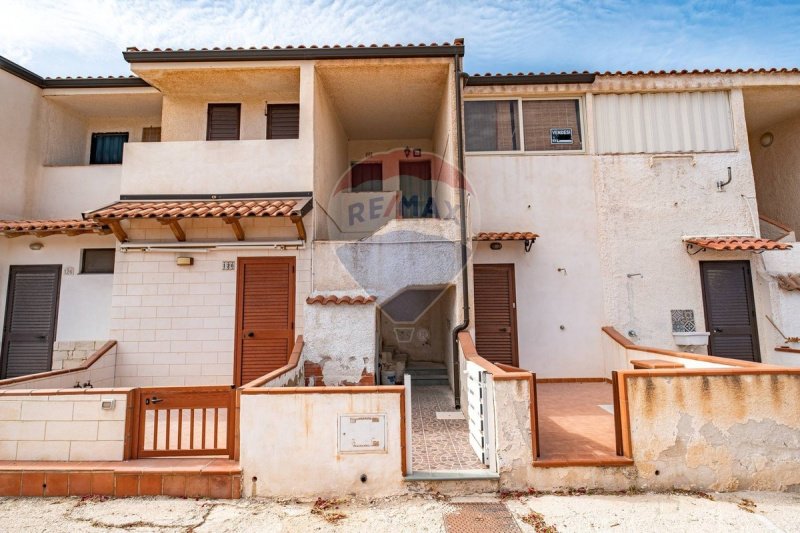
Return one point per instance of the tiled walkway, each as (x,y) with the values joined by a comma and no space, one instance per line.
(439,444)
(572,425)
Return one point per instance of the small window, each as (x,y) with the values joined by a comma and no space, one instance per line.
(107,148)
(551,125)
(151,135)
(492,125)
(97,261)
(283,121)
(223,122)
(366,177)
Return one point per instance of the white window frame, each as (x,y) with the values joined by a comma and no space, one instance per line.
(522,152)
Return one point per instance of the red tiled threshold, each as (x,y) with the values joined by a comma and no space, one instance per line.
(180,477)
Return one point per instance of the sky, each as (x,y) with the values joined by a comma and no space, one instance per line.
(86,37)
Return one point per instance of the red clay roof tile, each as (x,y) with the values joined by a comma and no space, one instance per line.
(274,207)
(338,300)
(506,236)
(22,227)
(737,243)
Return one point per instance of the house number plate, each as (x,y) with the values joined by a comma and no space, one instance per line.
(362,433)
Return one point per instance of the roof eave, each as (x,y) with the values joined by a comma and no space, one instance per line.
(293,54)
(93,83)
(530,79)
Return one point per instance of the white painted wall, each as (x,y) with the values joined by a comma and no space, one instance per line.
(66,192)
(552,196)
(19,151)
(305,461)
(85,298)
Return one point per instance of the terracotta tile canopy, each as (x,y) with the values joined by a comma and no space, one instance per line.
(176,209)
(43,228)
(339,300)
(736,243)
(506,236)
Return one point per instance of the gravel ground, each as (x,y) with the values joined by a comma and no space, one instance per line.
(742,511)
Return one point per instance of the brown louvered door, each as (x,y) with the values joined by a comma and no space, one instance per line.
(264,316)
(223,122)
(29,329)
(730,309)
(283,121)
(496,314)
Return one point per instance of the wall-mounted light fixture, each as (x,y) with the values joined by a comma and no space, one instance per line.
(36,246)
(184,261)
(407,151)
(766,139)
(496,246)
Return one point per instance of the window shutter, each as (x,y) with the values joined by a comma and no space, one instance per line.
(283,121)
(151,135)
(223,122)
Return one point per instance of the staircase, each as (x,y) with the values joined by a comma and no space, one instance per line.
(424,373)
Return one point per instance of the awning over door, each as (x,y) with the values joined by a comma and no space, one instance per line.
(722,244)
(44,228)
(171,212)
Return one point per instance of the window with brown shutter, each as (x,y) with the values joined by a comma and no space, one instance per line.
(283,121)
(223,122)
(151,134)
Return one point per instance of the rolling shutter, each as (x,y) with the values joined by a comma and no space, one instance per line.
(223,122)
(283,121)
(495,316)
(30,323)
(266,315)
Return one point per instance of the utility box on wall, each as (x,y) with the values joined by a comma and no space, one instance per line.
(362,433)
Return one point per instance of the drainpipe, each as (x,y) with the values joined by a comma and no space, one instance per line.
(464,242)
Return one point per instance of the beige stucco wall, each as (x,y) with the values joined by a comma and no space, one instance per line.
(19,150)
(175,325)
(62,427)
(716,432)
(776,170)
(84,300)
(99,374)
(66,192)
(305,461)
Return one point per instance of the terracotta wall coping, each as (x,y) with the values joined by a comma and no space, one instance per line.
(734,363)
(348,389)
(92,359)
(497,372)
(786,349)
(294,359)
(64,392)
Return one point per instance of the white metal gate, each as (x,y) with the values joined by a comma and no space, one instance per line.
(479,412)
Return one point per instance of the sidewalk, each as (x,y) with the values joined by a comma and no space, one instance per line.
(751,511)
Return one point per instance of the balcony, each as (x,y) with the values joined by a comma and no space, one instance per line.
(66,192)
(205,167)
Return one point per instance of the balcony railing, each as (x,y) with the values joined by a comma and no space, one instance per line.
(204,167)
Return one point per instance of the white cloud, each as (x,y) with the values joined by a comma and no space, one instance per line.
(83,37)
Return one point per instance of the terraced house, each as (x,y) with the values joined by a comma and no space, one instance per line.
(309,270)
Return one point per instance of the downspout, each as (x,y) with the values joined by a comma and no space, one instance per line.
(464,242)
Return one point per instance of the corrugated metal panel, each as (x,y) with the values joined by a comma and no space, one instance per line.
(663,122)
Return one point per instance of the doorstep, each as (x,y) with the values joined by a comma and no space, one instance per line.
(587,461)
(450,475)
(178,477)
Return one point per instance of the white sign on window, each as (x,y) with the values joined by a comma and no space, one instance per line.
(561,136)
(362,433)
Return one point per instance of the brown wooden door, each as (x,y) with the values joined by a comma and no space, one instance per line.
(264,315)
(730,309)
(496,314)
(29,329)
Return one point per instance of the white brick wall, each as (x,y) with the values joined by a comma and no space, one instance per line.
(62,427)
(175,324)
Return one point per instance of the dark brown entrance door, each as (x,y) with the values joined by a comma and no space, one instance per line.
(730,309)
(496,314)
(29,329)
(264,316)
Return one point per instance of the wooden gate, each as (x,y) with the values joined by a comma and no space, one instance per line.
(185,421)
